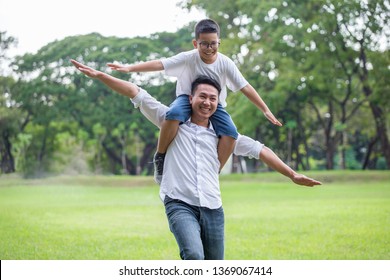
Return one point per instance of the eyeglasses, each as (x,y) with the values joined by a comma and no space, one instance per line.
(206,45)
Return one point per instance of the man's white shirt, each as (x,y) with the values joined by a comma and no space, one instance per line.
(191,164)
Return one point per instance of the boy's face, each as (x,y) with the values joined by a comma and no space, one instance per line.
(207,45)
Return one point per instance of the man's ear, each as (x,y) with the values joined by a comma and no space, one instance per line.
(190,98)
(195,43)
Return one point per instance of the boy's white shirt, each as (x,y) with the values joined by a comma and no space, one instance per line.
(186,66)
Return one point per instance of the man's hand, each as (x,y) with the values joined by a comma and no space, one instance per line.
(304,180)
(119,67)
(90,72)
(272,118)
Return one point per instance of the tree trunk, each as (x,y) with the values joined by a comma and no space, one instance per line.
(117,159)
(329,140)
(7,164)
(368,152)
(343,141)
(329,154)
(381,131)
(379,118)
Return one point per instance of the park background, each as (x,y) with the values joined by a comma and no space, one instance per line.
(70,146)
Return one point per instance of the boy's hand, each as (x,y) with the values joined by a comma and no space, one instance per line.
(90,72)
(272,118)
(119,67)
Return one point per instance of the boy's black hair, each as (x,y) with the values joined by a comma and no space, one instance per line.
(205,80)
(206,26)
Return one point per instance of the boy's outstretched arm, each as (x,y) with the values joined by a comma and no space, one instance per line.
(255,98)
(120,86)
(273,161)
(149,66)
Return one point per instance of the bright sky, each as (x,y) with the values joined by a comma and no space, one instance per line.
(37,22)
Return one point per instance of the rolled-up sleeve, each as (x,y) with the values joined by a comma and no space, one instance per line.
(152,109)
(247,147)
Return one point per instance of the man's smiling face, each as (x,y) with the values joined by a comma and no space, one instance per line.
(204,103)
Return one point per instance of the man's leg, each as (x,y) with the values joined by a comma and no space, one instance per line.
(213,223)
(183,222)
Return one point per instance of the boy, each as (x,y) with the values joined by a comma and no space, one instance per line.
(186,66)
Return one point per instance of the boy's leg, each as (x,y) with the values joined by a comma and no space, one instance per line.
(227,132)
(167,134)
(225,149)
(179,112)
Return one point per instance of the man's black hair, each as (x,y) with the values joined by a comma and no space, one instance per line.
(205,80)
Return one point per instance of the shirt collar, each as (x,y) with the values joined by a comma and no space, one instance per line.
(189,123)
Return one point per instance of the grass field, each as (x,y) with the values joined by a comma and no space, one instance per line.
(267,217)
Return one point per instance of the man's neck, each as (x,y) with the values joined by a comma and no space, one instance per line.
(201,122)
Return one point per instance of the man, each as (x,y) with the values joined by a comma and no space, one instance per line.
(190,186)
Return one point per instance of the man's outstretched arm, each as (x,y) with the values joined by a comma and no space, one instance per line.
(246,146)
(273,161)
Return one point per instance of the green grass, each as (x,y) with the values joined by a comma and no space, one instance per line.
(267,217)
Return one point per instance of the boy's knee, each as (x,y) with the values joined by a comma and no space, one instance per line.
(175,114)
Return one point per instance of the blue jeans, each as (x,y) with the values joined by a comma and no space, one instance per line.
(199,231)
(180,110)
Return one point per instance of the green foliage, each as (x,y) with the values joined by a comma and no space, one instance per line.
(50,90)
(19,149)
(6,43)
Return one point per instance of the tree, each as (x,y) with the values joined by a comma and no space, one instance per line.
(9,117)
(53,92)
(319,52)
